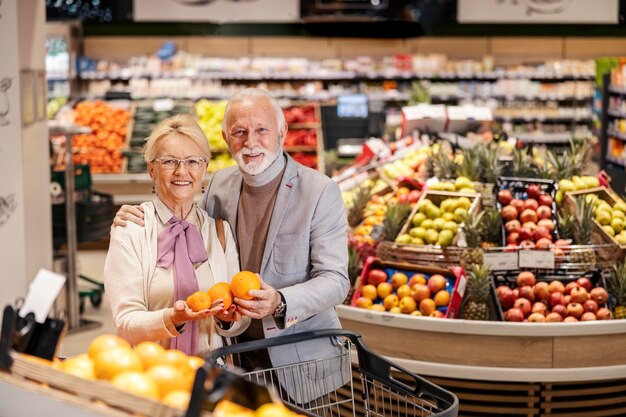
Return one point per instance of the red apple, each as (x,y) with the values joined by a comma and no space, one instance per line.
(505,197)
(544,212)
(543,243)
(509,213)
(603,314)
(539,307)
(376,276)
(585,283)
(547,223)
(524,305)
(537,318)
(545,200)
(560,309)
(528,215)
(579,295)
(575,310)
(599,295)
(505,296)
(513,238)
(527,244)
(526,292)
(514,314)
(556,298)
(588,316)
(570,286)
(591,306)
(531,204)
(533,191)
(518,204)
(512,226)
(554,317)
(557,286)
(541,290)
(526,278)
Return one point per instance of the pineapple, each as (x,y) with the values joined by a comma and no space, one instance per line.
(491,228)
(475,304)
(443,165)
(362,196)
(617,287)
(472,229)
(561,166)
(395,217)
(470,166)
(522,163)
(490,162)
(582,229)
(565,225)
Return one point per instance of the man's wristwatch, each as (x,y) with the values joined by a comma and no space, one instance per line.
(281,309)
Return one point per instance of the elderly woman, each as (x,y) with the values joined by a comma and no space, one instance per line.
(150,271)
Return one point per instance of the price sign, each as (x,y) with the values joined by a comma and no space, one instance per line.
(542,259)
(501,261)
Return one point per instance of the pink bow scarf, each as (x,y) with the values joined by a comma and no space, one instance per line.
(181,244)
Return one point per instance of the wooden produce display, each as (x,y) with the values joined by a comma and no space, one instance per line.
(305,139)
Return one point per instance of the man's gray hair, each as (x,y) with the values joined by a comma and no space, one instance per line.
(252,94)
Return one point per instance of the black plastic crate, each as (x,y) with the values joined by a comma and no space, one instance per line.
(93,219)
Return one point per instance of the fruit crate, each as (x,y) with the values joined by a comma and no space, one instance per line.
(487,193)
(83,392)
(455,280)
(437,197)
(518,188)
(599,236)
(510,280)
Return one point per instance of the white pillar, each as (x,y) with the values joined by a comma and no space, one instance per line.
(25,219)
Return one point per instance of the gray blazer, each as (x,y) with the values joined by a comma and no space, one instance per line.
(305,257)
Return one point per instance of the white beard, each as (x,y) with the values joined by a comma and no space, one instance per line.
(255,168)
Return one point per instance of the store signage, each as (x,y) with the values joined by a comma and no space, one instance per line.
(218,11)
(538,11)
(501,261)
(542,259)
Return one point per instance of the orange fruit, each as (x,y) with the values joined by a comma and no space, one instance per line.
(199,301)
(150,353)
(228,408)
(167,378)
(243,282)
(427,306)
(177,359)
(195,363)
(178,399)
(110,363)
(370,292)
(442,298)
(222,291)
(81,366)
(136,383)
(105,342)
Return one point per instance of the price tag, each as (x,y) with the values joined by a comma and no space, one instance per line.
(543,259)
(501,261)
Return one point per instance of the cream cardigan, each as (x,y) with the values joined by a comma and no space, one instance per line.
(130,268)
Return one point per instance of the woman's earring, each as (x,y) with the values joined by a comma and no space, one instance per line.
(153,189)
(203,189)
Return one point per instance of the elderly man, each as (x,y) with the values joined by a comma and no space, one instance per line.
(290,227)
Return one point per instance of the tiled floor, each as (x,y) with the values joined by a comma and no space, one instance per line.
(91,264)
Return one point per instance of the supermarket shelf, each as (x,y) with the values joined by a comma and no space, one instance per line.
(617,90)
(615,113)
(544,137)
(141,178)
(617,135)
(616,161)
(509,97)
(587,119)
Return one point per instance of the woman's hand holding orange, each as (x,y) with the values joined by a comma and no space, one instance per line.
(182,312)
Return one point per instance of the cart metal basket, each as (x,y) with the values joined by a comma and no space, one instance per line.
(380,388)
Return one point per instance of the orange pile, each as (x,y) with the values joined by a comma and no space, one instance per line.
(101,149)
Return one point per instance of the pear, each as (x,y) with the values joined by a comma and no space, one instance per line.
(465,203)
(621,206)
(566,185)
(617,224)
(418,219)
(463,182)
(418,232)
(609,230)
(431,236)
(460,214)
(403,239)
(445,238)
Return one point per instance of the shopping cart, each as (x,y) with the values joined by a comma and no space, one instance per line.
(369,385)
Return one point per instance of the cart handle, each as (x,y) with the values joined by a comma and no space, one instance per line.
(371,365)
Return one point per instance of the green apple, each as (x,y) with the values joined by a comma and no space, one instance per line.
(609,230)
(438,223)
(566,185)
(460,214)
(451,226)
(403,239)
(445,238)
(617,224)
(418,219)
(431,236)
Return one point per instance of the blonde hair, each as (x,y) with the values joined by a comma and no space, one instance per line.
(184,125)
(253,94)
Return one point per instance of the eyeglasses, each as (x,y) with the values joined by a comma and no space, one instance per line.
(193,163)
